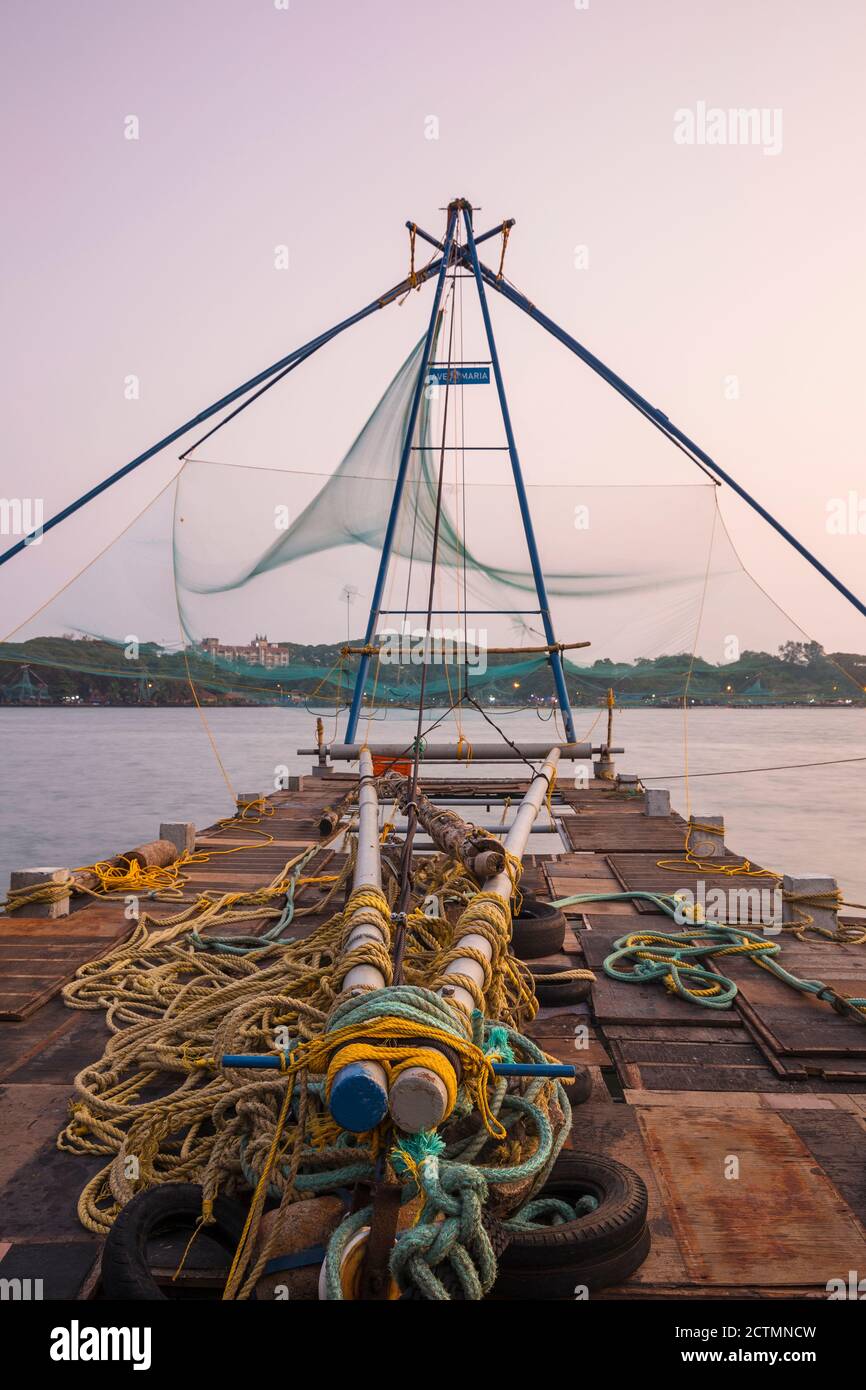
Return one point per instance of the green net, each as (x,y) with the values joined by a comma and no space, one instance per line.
(251,583)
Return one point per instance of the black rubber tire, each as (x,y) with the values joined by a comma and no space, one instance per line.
(580,1089)
(614,1226)
(168,1207)
(603,1273)
(538,931)
(554,992)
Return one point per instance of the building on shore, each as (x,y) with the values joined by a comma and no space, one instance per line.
(259,652)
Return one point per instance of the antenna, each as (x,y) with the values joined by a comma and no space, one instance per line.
(348,593)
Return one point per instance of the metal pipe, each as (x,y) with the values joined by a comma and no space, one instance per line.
(459,753)
(308,348)
(494,828)
(661,421)
(359,1091)
(485,236)
(399,482)
(270,1061)
(418,1098)
(367,874)
(515,843)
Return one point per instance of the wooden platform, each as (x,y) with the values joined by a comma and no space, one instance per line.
(747,1124)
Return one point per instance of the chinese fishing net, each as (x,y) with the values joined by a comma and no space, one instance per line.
(249,578)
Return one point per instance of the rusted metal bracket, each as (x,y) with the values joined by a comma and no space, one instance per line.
(375,1271)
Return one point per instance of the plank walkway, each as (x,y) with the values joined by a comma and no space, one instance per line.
(747,1124)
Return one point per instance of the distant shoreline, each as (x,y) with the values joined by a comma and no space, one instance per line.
(410,709)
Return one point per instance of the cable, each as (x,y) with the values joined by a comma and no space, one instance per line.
(737,771)
(412,815)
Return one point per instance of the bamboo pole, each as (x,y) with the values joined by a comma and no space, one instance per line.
(371,649)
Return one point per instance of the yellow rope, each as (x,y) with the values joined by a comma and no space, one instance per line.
(258,1199)
(548,800)
(413,279)
(19,898)
(506,231)
(692,863)
(461,744)
(172,1008)
(127,876)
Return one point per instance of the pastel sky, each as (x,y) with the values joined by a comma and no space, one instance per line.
(307,126)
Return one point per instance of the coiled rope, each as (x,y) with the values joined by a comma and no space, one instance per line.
(178,997)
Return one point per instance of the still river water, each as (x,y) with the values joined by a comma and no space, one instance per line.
(80,784)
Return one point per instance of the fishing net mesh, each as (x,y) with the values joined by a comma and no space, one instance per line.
(244,582)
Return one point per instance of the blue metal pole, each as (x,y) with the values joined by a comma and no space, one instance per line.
(268,1061)
(306,350)
(664,424)
(388,542)
(523,501)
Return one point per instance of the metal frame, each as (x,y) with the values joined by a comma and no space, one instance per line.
(482,275)
(388,542)
(663,423)
(555,657)
(655,416)
(284,365)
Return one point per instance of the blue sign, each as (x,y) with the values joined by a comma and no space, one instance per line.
(459,376)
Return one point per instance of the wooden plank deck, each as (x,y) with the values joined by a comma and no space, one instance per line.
(777,1083)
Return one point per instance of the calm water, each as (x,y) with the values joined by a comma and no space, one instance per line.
(78,784)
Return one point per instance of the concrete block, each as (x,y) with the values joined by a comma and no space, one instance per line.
(31,878)
(658,802)
(181,833)
(709,843)
(809,886)
(247,799)
(322,770)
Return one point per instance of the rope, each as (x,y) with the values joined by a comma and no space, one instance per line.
(738,771)
(413,279)
(678,958)
(175,1004)
(801,902)
(19,898)
(506,231)
(126,875)
(692,863)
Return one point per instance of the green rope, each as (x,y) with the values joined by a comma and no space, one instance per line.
(682,954)
(554,1210)
(249,945)
(449,1249)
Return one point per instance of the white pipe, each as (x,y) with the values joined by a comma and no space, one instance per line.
(418,1097)
(515,843)
(368,874)
(365,1083)
(454,753)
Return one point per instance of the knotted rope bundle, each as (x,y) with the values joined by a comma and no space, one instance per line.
(506,991)
(677,958)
